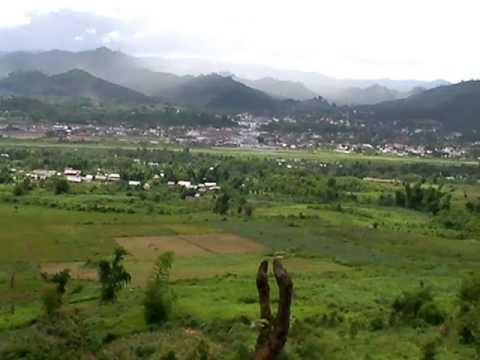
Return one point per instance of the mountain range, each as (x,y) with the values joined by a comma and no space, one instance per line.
(318,83)
(456,107)
(371,95)
(106,75)
(157,76)
(71,84)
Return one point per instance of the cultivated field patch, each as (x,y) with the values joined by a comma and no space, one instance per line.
(78,270)
(149,247)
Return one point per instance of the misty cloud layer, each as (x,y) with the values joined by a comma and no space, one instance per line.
(76,31)
(342,38)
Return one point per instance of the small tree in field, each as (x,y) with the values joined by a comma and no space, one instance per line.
(52,296)
(113,275)
(61,186)
(222,204)
(158,295)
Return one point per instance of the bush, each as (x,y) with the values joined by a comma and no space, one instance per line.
(418,305)
(159,297)
(431,314)
(201,352)
(470,289)
(51,300)
(169,356)
(158,303)
(61,186)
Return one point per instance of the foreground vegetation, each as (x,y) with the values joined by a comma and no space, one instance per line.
(383,255)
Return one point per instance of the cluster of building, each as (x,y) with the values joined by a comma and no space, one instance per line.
(201,188)
(404,150)
(73,175)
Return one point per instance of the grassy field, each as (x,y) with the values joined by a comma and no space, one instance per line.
(317,154)
(348,265)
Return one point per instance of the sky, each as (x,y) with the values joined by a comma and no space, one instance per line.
(408,39)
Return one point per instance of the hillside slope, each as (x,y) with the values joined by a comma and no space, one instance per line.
(281,88)
(219,93)
(455,106)
(72,84)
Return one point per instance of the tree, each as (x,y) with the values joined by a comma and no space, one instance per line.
(158,295)
(22,187)
(61,279)
(247,210)
(61,186)
(112,275)
(52,296)
(222,204)
(274,331)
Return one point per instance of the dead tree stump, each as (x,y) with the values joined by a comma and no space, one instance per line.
(274,331)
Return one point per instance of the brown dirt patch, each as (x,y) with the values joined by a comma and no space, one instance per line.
(78,270)
(148,248)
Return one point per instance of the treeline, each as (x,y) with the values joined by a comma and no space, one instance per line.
(419,197)
(85,112)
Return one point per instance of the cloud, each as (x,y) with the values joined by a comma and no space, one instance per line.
(344,38)
(111,37)
(77,31)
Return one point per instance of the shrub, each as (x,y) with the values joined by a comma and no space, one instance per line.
(51,300)
(418,304)
(159,297)
(158,303)
(201,352)
(431,314)
(60,186)
(429,350)
(222,204)
(470,289)
(169,356)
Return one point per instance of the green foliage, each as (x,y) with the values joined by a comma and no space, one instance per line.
(22,187)
(470,290)
(51,300)
(113,276)
(5,177)
(468,319)
(159,297)
(222,204)
(60,185)
(201,352)
(473,207)
(429,350)
(61,279)
(169,356)
(418,197)
(418,304)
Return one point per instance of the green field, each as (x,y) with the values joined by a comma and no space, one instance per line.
(349,259)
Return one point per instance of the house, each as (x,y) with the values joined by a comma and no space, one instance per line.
(72,172)
(186,184)
(74,179)
(113,177)
(134,183)
(41,174)
(100,177)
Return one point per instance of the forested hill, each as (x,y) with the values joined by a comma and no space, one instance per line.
(72,84)
(456,107)
(220,93)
